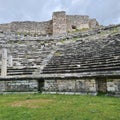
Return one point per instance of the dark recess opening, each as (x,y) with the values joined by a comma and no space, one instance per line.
(101,85)
(74,27)
(40,85)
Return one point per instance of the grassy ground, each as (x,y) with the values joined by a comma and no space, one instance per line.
(58,107)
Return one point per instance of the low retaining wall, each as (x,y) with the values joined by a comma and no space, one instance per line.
(63,86)
(19,86)
(113,86)
(82,86)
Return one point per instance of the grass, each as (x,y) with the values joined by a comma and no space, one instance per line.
(58,107)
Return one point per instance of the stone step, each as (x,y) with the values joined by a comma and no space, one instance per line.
(79,66)
(82,63)
(20,70)
(45,71)
(19,73)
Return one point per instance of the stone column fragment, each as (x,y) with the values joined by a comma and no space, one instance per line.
(10,60)
(4,62)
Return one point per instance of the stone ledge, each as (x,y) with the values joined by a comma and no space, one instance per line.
(71,93)
(62,76)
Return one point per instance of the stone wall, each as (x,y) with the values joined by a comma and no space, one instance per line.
(81,86)
(108,85)
(59,23)
(113,86)
(41,28)
(60,86)
(93,23)
(5,27)
(19,86)
(77,22)
(2,86)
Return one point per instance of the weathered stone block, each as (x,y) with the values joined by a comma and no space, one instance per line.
(113,85)
(2,86)
(19,86)
(70,85)
(59,23)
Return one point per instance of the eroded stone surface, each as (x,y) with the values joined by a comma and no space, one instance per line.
(69,64)
(60,24)
(71,85)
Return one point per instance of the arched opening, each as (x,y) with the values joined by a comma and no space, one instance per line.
(74,27)
(40,85)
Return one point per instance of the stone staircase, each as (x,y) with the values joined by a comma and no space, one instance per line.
(20,71)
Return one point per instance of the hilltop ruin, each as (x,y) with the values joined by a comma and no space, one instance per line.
(60,25)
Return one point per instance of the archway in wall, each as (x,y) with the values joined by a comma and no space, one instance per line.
(101,85)
(40,85)
(74,27)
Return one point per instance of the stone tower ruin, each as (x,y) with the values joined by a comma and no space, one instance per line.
(59,23)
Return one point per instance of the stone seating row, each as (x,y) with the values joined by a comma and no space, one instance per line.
(79,57)
(28,56)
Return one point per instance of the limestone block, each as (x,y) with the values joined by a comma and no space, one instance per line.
(2,86)
(10,60)
(50,85)
(70,85)
(23,85)
(113,85)
(59,23)
(4,62)
(67,85)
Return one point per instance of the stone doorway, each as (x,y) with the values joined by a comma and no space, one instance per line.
(40,85)
(101,85)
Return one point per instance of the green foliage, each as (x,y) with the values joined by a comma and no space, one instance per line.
(83,29)
(19,33)
(79,30)
(58,107)
(57,53)
(115,30)
(110,31)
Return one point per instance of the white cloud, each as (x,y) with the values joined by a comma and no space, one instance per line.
(106,12)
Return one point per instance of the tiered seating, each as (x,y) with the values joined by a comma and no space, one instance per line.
(86,56)
(20,71)
(28,55)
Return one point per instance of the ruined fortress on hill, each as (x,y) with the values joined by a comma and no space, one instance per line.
(70,54)
(60,24)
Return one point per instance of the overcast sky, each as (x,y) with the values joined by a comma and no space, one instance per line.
(105,11)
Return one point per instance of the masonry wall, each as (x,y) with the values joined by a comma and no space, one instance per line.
(41,28)
(93,23)
(80,86)
(58,26)
(19,86)
(113,86)
(5,27)
(59,23)
(77,22)
(64,86)
(2,86)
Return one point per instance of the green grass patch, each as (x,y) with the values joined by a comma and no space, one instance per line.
(58,107)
